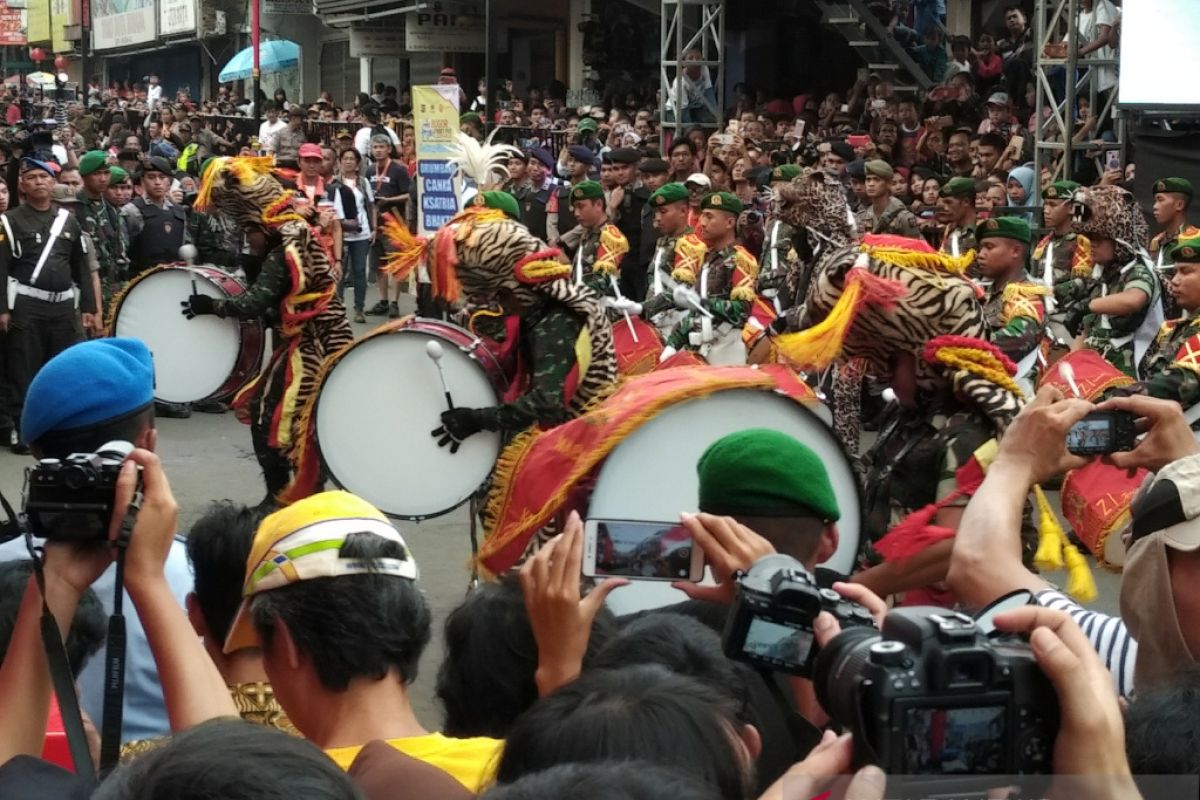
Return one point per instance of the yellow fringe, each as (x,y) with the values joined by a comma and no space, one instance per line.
(683,275)
(743,293)
(543,270)
(1080,583)
(818,346)
(980,363)
(911,259)
(1049,555)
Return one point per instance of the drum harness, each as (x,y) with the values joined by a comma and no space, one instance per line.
(15,287)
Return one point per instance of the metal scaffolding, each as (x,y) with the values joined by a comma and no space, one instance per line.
(692,25)
(1062,78)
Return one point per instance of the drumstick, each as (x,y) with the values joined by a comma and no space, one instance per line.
(1068,375)
(617,291)
(433,349)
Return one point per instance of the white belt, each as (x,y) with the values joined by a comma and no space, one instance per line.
(42,294)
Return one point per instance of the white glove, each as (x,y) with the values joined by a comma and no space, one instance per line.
(685,297)
(630,307)
(667,353)
(770,294)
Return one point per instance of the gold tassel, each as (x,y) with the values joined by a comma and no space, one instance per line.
(1080,583)
(1051,539)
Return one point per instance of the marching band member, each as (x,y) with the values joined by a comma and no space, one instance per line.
(678,248)
(599,246)
(1171,369)
(1014,307)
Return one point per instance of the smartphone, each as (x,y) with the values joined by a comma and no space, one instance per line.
(1112,160)
(858,140)
(651,551)
(798,129)
(1017,145)
(1102,432)
(723,139)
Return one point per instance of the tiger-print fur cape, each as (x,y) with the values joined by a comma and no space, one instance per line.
(1110,212)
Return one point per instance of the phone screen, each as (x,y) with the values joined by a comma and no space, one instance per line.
(1113,159)
(631,549)
(1090,435)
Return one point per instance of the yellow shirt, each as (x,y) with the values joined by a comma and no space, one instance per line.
(472,762)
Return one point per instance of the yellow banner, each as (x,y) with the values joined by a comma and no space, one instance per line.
(435,120)
(38,21)
(60,16)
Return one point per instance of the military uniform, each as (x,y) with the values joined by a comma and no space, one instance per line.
(895,219)
(778,278)
(1160,248)
(1112,337)
(1171,369)
(725,282)
(1059,257)
(1016,316)
(957,240)
(216,243)
(102,223)
(44,303)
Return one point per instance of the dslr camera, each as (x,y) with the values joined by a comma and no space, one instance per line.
(71,499)
(771,622)
(938,704)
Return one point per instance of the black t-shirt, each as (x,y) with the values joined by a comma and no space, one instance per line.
(392,181)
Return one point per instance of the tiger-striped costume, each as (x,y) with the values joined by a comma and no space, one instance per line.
(313,320)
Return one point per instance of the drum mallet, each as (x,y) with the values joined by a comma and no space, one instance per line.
(617,292)
(433,349)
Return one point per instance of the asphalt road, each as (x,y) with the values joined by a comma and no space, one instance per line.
(209,457)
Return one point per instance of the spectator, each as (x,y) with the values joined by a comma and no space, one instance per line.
(931,57)
(692,89)
(683,159)
(271,126)
(606,780)
(289,138)
(988,65)
(354,204)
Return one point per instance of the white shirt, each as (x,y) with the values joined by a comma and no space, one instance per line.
(153,96)
(1102,13)
(266,133)
(361,201)
(362,140)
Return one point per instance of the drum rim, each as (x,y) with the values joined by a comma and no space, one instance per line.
(502,440)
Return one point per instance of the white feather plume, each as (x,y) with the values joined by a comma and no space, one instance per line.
(484,163)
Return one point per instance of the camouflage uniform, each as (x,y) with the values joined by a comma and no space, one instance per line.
(1160,246)
(778,276)
(597,259)
(1016,317)
(214,242)
(548,336)
(966,241)
(1070,255)
(722,272)
(262,298)
(895,219)
(110,239)
(1171,369)
(1111,337)
(666,259)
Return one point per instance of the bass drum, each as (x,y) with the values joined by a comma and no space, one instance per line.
(651,475)
(204,358)
(379,402)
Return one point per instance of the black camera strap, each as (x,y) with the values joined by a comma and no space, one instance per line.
(114,665)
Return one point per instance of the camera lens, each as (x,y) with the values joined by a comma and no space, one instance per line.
(75,477)
(837,669)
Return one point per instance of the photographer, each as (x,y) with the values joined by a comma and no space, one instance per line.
(1159,627)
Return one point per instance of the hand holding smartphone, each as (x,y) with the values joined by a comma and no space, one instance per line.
(642,550)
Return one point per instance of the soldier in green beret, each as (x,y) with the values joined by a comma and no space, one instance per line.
(1061,256)
(724,284)
(884,213)
(784,173)
(103,224)
(1171,369)
(956,211)
(1014,308)
(677,248)
(596,259)
(1172,198)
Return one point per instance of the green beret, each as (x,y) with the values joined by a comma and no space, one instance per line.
(92,161)
(722,201)
(785,172)
(1186,251)
(879,168)
(470,117)
(1005,228)
(1174,185)
(587,190)
(958,187)
(669,193)
(118,176)
(764,473)
(588,124)
(502,201)
(1060,190)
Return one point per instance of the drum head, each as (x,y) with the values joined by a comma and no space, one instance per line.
(651,475)
(193,358)
(376,411)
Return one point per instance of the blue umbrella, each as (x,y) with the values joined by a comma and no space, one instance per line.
(275,55)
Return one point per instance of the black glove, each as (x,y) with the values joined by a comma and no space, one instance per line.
(199,304)
(779,324)
(457,425)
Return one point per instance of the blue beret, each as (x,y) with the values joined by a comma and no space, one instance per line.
(582,154)
(543,155)
(86,384)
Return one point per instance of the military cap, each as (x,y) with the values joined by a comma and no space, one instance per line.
(544,156)
(588,124)
(958,187)
(502,201)
(158,164)
(764,473)
(1173,186)
(119,176)
(654,166)
(1013,228)
(669,193)
(587,190)
(1186,251)
(722,201)
(581,153)
(63,195)
(1060,190)
(842,149)
(879,168)
(93,161)
(622,155)
(785,172)
(470,118)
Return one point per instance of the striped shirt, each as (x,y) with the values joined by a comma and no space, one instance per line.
(1113,643)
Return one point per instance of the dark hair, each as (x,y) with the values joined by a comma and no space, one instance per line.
(634,713)
(993,140)
(605,780)
(354,150)
(351,626)
(1160,727)
(683,141)
(232,760)
(126,428)
(87,628)
(217,547)
(486,680)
